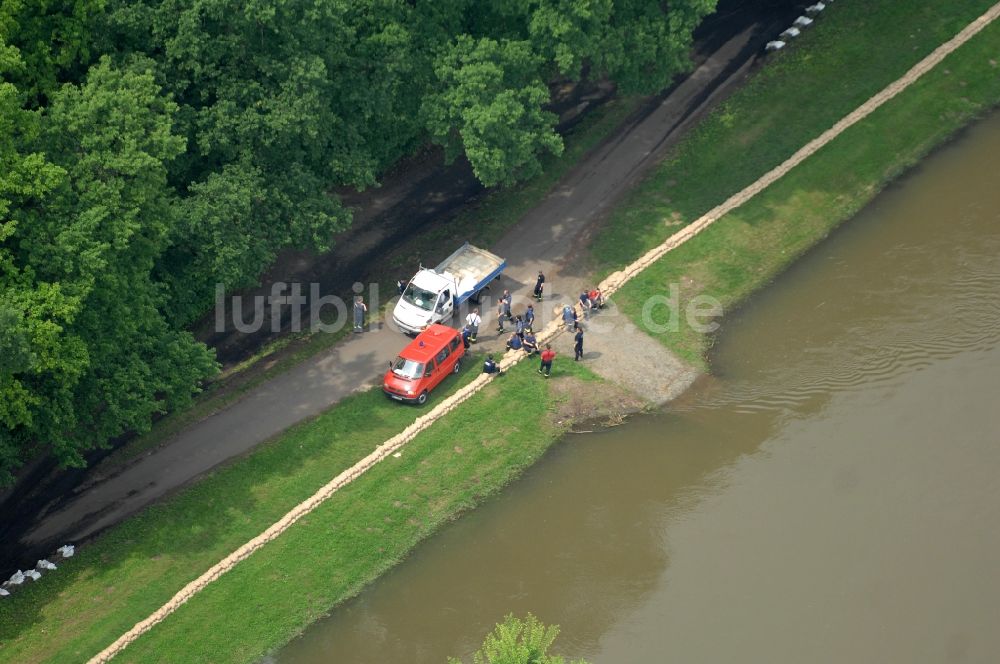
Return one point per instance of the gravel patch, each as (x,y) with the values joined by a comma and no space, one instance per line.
(617,350)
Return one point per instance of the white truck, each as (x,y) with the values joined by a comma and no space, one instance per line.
(432,295)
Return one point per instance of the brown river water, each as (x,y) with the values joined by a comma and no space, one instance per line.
(830,494)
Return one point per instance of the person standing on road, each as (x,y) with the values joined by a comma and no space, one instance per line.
(465,337)
(569,317)
(578,346)
(500,305)
(359,313)
(547,356)
(539,286)
(506,300)
(472,321)
(519,326)
(529,316)
(585,304)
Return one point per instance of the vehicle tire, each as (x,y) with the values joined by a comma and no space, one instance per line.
(457,367)
(422,399)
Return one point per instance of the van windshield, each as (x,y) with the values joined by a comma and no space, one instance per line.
(419,297)
(407,369)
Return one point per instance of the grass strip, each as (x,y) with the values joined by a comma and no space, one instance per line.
(134,568)
(743,251)
(364,529)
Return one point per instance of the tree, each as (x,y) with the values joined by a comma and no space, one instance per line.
(77,256)
(55,40)
(489,104)
(568,33)
(518,641)
(646,42)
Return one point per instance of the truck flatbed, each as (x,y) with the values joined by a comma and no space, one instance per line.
(472,269)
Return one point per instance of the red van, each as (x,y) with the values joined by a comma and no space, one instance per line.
(435,353)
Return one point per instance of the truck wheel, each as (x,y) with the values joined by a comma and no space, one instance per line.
(422,399)
(458,367)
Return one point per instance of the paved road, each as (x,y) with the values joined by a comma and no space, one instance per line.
(548,238)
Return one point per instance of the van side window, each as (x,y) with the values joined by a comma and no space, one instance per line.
(445,352)
(454,343)
(430,368)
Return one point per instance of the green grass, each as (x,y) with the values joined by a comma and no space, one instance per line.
(136,566)
(330,555)
(363,530)
(854,51)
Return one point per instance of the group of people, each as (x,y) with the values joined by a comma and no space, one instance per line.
(545,368)
(590,300)
(523,338)
(504,314)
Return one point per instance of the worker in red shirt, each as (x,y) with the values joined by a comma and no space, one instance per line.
(547,356)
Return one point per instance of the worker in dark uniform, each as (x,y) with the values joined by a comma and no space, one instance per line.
(530,343)
(539,286)
(490,367)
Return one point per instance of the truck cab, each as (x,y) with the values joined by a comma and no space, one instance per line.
(427,299)
(436,353)
(434,293)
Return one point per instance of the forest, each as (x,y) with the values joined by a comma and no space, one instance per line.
(151,149)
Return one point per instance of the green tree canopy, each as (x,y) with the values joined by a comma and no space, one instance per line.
(490,107)
(78,253)
(518,641)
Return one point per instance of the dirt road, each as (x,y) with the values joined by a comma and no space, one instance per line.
(548,238)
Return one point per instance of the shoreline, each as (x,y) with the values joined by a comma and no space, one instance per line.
(504,477)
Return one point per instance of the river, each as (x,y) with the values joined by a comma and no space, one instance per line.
(831,493)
